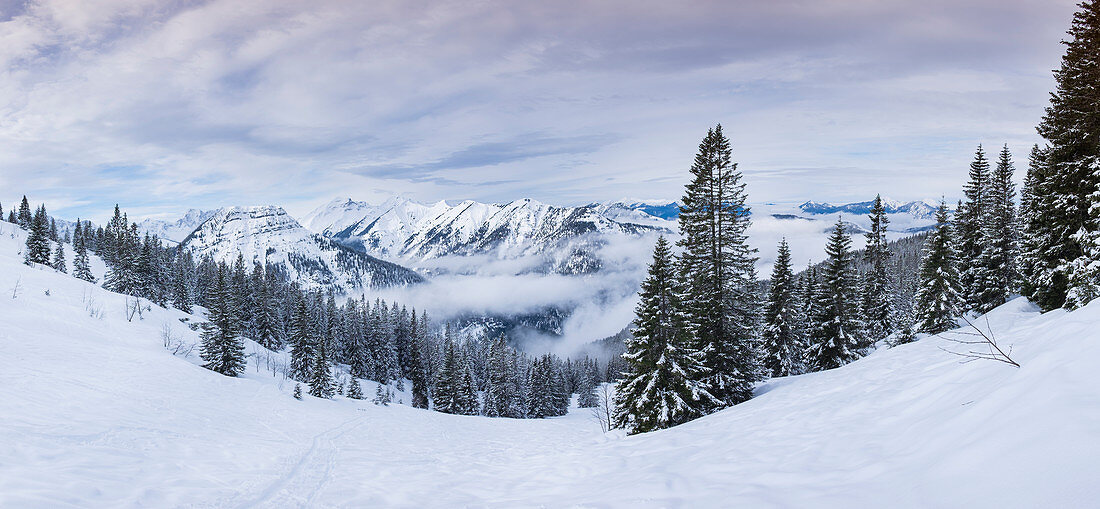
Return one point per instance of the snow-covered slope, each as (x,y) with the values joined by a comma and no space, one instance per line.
(179,229)
(566,237)
(268,235)
(95,413)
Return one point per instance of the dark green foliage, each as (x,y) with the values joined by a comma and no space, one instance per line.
(664,383)
(996,269)
(969,221)
(938,296)
(24,218)
(222,345)
(355,391)
(298,391)
(58,262)
(876,302)
(838,329)
(718,266)
(320,380)
(1068,194)
(783,332)
(38,241)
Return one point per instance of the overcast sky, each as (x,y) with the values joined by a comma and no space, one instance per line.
(165,106)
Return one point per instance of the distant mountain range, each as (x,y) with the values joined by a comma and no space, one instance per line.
(566,239)
(918,209)
(269,236)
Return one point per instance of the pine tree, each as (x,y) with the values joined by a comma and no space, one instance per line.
(809,300)
(58,262)
(782,341)
(467,391)
(1032,200)
(876,282)
(664,384)
(497,393)
(355,391)
(970,219)
(53,230)
(222,345)
(302,347)
(298,391)
(718,263)
(320,381)
(938,294)
(24,218)
(998,274)
(839,330)
(81,267)
(447,395)
(586,389)
(418,375)
(1069,248)
(38,241)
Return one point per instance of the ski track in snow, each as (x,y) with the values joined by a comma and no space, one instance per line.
(322,450)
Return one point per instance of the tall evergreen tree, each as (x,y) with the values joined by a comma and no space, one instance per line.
(81,267)
(718,264)
(783,341)
(418,376)
(320,380)
(970,219)
(938,292)
(1035,203)
(447,395)
(24,218)
(58,262)
(664,384)
(38,240)
(839,330)
(1069,250)
(997,267)
(302,347)
(222,345)
(876,300)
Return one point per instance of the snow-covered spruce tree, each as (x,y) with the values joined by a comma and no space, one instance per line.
(24,218)
(1070,252)
(467,391)
(497,393)
(808,292)
(222,345)
(302,348)
(998,274)
(320,381)
(182,272)
(58,262)
(586,388)
(663,385)
(718,268)
(417,375)
(297,391)
(540,378)
(82,268)
(938,292)
(782,336)
(839,328)
(355,391)
(1033,199)
(447,395)
(970,218)
(38,240)
(876,301)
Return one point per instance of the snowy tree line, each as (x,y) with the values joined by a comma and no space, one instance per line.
(700,337)
(379,341)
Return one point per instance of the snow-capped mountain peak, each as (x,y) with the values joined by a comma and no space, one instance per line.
(268,235)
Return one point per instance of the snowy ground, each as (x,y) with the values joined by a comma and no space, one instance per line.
(95,413)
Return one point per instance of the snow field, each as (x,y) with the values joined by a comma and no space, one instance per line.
(94,412)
